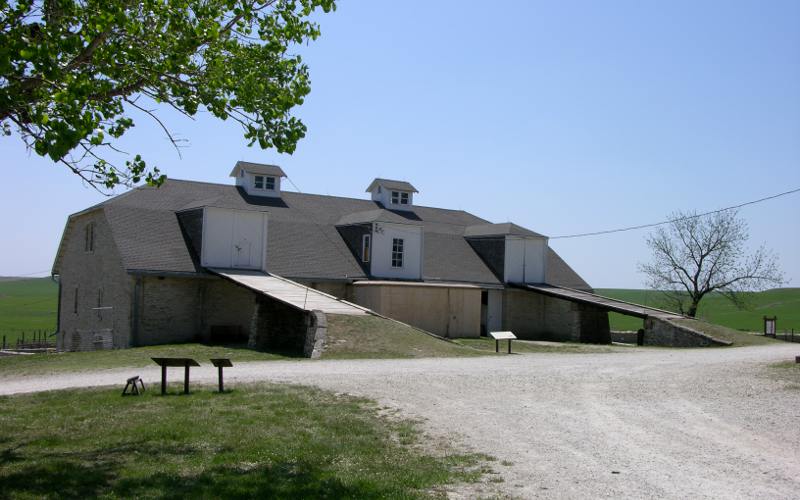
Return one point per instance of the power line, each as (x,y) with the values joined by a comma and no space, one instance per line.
(30,274)
(654,224)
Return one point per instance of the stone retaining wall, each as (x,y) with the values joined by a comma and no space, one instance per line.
(662,332)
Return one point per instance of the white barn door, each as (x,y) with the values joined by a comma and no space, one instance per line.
(247,238)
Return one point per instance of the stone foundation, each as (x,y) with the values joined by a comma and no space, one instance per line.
(664,333)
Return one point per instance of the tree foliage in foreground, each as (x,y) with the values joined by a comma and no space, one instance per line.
(695,255)
(72,73)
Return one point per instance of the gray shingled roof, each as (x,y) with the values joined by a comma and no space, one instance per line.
(391,184)
(303,240)
(501,229)
(378,215)
(257,168)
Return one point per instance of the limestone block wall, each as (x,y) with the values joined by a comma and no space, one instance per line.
(316,335)
(659,332)
(169,310)
(447,311)
(92,278)
(227,305)
(278,327)
(534,316)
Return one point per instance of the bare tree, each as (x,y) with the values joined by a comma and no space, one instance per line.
(695,255)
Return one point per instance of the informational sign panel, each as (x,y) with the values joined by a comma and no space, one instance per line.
(503,335)
(769,326)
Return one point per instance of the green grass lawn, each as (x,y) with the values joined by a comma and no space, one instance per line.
(524,346)
(27,305)
(720,332)
(781,302)
(42,364)
(259,441)
(374,337)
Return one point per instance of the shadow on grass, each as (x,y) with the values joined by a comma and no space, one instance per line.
(106,472)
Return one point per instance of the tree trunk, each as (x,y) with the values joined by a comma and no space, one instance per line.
(692,312)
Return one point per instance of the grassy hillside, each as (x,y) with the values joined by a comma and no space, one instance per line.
(374,337)
(26,305)
(781,302)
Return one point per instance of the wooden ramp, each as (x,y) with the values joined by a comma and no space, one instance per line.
(607,303)
(290,292)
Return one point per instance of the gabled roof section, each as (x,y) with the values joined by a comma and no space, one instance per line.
(502,229)
(377,215)
(392,184)
(257,168)
(303,242)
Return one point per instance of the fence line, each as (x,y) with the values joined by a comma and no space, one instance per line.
(29,339)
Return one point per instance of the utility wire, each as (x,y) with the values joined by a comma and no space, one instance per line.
(30,274)
(654,224)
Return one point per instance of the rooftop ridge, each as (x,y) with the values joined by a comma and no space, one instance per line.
(299,193)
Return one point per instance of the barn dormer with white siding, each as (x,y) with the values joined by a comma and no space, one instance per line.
(394,195)
(258,179)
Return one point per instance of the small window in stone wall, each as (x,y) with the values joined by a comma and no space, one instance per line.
(88,243)
(75,301)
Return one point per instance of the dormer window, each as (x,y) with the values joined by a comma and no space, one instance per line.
(258,179)
(399,198)
(264,182)
(397,195)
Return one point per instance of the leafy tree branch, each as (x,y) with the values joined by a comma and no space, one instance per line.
(71,71)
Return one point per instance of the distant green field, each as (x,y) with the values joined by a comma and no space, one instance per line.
(781,302)
(27,305)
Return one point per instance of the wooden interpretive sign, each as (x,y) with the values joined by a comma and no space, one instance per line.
(498,336)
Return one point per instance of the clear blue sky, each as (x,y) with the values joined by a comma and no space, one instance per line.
(563,117)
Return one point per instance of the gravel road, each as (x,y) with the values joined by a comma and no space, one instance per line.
(699,423)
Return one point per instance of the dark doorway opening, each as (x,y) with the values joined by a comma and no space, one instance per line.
(484,312)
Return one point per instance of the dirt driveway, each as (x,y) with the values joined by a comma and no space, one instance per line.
(698,423)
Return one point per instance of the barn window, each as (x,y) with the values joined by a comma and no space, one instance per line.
(269,183)
(399,198)
(397,252)
(88,243)
(258,182)
(366,247)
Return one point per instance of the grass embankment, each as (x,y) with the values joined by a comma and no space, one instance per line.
(264,441)
(525,346)
(738,338)
(781,302)
(42,364)
(27,305)
(374,337)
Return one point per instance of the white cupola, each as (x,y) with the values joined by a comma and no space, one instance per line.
(258,179)
(394,195)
